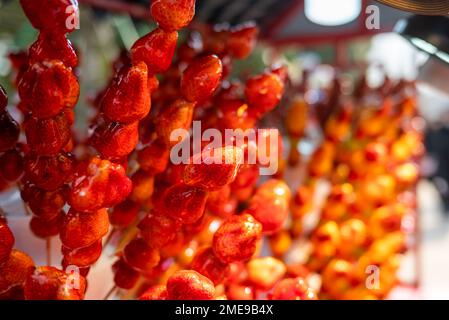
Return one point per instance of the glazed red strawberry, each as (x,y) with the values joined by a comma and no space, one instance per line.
(98,184)
(115,140)
(49,283)
(293,289)
(206,263)
(124,214)
(158,229)
(189,285)
(9,132)
(154,157)
(128,100)
(242,40)
(156,49)
(143,186)
(237,238)
(45,228)
(49,87)
(264,92)
(11,165)
(14,272)
(173,14)
(156,292)
(177,116)
(213,169)
(201,79)
(6,242)
(49,173)
(53,16)
(3,99)
(184,203)
(125,277)
(83,257)
(44,203)
(53,47)
(140,256)
(81,229)
(47,137)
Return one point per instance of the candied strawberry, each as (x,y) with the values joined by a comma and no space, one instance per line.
(11,165)
(129,99)
(206,263)
(189,285)
(242,40)
(6,242)
(158,229)
(156,49)
(125,277)
(53,47)
(156,292)
(15,270)
(83,257)
(184,203)
(201,78)
(9,131)
(173,14)
(264,92)
(3,99)
(140,256)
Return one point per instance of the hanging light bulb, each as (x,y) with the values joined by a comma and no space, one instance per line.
(332,12)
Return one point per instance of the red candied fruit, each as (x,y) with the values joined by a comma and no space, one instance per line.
(53,16)
(184,203)
(98,184)
(154,157)
(264,92)
(49,173)
(11,165)
(293,289)
(15,271)
(115,140)
(49,283)
(237,238)
(49,87)
(6,242)
(201,78)
(128,100)
(177,116)
(189,285)
(143,186)
(173,14)
(206,263)
(156,292)
(242,40)
(43,228)
(156,49)
(83,257)
(140,256)
(9,131)
(158,229)
(125,277)
(213,169)
(3,99)
(53,47)
(45,204)
(124,214)
(80,230)
(47,137)
(270,205)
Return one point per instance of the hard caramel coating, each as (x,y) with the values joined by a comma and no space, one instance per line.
(264,92)
(176,116)
(184,203)
(115,140)
(49,136)
(206,263)
(49,87)
(45,204)
(15,270)
(190,285)
(11,165)
(293,289)
(140,256)
(158,229)
(53,47)
(80,229)
(156,292)
(213,169)
(52,15)
(237,238)
(9,131)
(173,14)
(156,50)
(49,283)
(124,214)
(201,79)
(270,205)
(45,228)
(83,257)
(49,173)
(6,242)
(125,277)
(98,184)
(154,158)
(242,39)
(129,99)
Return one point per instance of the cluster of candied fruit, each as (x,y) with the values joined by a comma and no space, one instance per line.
(210,228)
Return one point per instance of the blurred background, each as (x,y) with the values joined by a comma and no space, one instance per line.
(318,40)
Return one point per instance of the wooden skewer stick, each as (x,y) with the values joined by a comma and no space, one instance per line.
(110,292)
